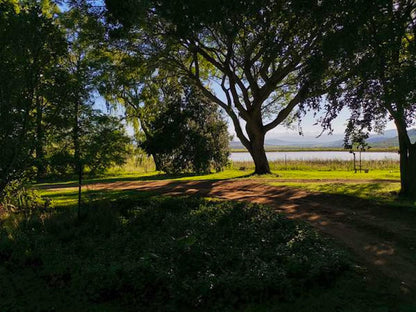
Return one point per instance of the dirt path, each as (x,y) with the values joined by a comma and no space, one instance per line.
(383,238)
(58,186)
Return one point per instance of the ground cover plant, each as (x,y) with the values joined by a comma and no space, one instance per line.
(164,254)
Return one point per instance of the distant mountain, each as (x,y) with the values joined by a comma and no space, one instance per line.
(236,145)
(388,139)
(392,141)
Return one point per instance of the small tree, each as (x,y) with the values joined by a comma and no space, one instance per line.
(103,143)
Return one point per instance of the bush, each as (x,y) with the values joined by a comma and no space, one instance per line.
(16,198)
(187,134)
(170,255)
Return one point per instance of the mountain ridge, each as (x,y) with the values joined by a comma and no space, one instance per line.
(388,139)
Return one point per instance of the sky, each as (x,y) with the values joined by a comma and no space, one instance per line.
(310,130)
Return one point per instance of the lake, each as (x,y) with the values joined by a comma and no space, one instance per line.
(310,155)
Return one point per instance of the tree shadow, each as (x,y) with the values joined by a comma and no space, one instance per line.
(156,177)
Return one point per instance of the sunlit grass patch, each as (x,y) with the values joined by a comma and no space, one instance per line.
(339,174)
(382,192)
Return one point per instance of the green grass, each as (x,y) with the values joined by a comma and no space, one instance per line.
(177,255)
(324,165)
(65,198)
(315,172)
(339,175)
(346,291)
(235,174)
(382,192)
(384,169)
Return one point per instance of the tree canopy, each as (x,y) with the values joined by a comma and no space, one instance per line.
(381,86)
(264,57)
(30,76)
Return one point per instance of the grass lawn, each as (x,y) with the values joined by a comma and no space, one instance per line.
(378,184)
(235,173)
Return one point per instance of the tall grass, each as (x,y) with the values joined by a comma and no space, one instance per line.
(135,164)
(321,165)
(145,164)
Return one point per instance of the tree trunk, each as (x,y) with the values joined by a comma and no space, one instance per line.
(40,156)
(407,168)
(259,157)
(256,149)
(157,161)
(77,153)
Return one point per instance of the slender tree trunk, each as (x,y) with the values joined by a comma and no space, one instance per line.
(40,156)
(407,169)
(256,148)
(77,155)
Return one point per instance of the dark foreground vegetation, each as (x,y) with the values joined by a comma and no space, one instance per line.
(173,255)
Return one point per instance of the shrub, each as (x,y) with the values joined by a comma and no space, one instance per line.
(187,133)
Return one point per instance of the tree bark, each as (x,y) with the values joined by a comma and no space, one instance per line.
(259,157)
(256,147)
(407,168)
(157,162)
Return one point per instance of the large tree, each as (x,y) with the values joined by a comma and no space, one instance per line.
(30,77)
(383,86)
(265,57)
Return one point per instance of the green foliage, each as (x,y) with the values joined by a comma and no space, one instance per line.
(186,133)
(103,144)
(170,254)
(381,85)
(18,199)
(31,46)
(60,162)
